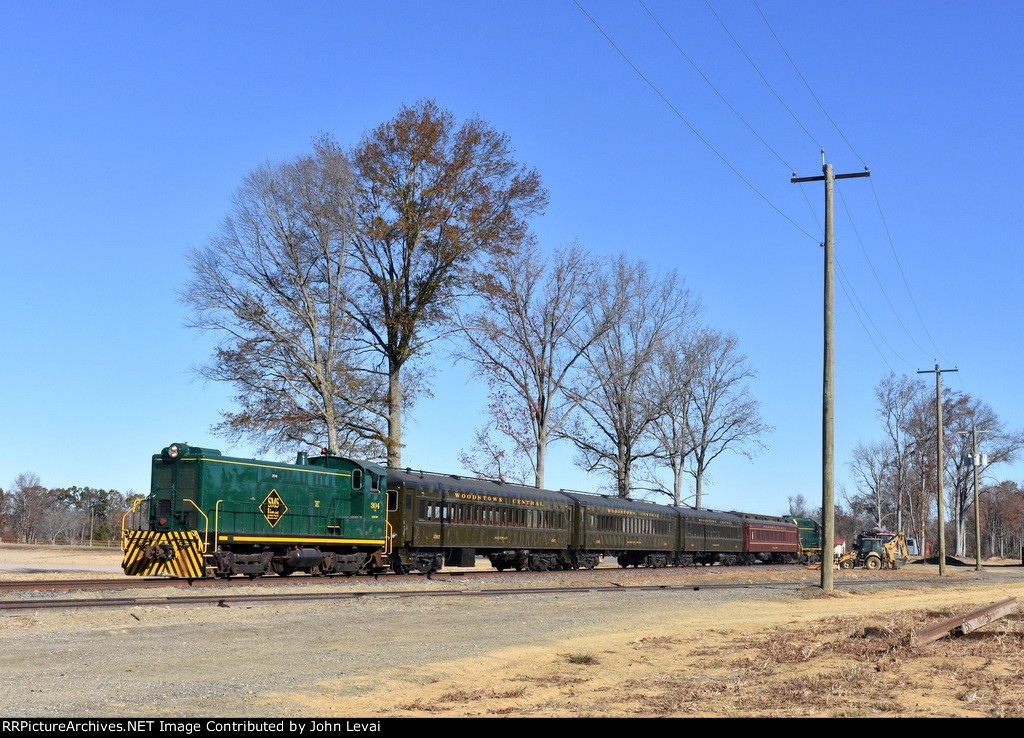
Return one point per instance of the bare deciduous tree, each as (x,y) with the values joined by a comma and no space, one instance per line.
(489,458)
(997,443)
(674,371)
(273,286)
(534,324)
(897,398)
(725,415)
(872,471)
(27,503)
(1003,517)
(618,399)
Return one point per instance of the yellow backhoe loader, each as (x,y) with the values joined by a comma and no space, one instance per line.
(876,550)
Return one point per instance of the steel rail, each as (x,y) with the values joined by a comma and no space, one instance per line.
(965,623)
(310,597)
(46,585)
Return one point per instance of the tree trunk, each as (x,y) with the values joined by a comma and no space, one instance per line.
(394,416)
(677,484)
(542,453)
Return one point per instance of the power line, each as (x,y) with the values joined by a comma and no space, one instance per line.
(806,83)
(854,299)
(874,192)
(844,282)
(868,317)
(763,78)
(906,284)
(877,279)
(690,126)
(712,86)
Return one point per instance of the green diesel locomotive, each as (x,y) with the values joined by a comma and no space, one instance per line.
(209,515)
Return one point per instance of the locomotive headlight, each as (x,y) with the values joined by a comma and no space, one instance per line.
(172,451)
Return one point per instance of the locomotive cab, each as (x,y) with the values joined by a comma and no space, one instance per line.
(172,540)
(174,491)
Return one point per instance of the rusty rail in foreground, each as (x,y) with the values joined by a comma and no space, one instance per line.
(965,623)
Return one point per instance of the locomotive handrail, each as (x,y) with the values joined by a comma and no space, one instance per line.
(216,525)
(130,511)
(206,532)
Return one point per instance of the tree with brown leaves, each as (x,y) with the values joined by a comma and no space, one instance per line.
(434,200)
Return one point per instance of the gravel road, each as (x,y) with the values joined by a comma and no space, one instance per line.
(355,657)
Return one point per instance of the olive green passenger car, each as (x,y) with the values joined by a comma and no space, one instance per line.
(444,520)
(709,537)
(636,533)
(439,519)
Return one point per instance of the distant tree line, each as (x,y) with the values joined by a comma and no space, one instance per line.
(343,278)
(894,480)
(30,512)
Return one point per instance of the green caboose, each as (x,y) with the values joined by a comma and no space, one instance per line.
(213,515)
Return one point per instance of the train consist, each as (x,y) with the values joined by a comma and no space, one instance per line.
(209,515)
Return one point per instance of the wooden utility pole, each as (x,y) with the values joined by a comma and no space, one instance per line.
(828,512)
(975,463)
(939,471)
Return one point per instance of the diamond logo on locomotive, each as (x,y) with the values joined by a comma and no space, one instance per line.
(273,508)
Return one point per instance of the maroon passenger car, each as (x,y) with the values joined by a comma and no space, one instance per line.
(769,539)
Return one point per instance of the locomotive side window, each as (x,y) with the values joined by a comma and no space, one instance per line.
(357,479)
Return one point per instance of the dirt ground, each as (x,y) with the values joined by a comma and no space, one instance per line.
(785,651)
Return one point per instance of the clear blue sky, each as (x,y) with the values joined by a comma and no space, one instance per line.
(126,127)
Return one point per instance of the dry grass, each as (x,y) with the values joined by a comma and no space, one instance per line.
(834,667)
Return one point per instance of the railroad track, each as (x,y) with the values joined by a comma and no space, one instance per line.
(79,584)
(66,585)
(54,585)
(222,600)
(122,582)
